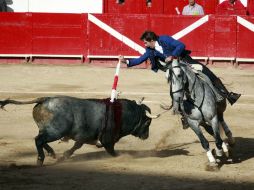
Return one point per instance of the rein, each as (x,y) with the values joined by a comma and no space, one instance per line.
(179,90)
(193,86)
(193,91)
(190,90)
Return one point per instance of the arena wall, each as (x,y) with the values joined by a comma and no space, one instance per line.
(91,37)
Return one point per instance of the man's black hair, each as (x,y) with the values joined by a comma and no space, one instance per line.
(149,36)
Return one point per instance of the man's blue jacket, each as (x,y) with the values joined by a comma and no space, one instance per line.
(170,46)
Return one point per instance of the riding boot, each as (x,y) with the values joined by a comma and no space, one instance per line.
(231,96)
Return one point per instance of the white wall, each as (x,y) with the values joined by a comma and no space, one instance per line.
(244,2)
(57,6)
(17,5)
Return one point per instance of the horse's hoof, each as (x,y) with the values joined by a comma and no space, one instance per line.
(226,154)
(212,166)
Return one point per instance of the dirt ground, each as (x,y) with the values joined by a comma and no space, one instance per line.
(171,158)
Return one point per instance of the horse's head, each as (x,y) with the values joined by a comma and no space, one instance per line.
(178,83)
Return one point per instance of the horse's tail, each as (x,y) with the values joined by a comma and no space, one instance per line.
(9,101)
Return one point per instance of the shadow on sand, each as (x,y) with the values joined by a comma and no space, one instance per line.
(243,149)
(133,153)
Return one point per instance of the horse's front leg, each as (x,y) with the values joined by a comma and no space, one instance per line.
(194,125)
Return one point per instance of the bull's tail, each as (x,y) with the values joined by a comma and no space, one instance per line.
(9,101)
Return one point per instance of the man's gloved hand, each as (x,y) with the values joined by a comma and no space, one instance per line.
(122,59)
(169,59)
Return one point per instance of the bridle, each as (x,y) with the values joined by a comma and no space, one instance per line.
(177,78)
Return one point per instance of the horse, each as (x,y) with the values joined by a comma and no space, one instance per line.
(196,101)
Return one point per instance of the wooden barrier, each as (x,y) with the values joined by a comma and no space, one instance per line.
(80,36)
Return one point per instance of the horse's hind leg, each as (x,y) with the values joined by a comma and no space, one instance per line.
(220,145)
(228,133)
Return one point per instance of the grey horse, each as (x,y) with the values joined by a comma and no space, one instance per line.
(195,99)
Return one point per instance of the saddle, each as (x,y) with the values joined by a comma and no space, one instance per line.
(205,79)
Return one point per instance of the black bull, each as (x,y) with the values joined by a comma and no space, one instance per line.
(86,121)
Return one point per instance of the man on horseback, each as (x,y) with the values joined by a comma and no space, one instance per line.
(162,50)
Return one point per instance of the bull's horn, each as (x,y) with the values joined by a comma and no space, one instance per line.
(139,102)
(152,116)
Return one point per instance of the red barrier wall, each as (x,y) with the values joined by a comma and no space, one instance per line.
(101,42)
(74,34)
(57,34)
(15,33)
(245,39)
(250,7)
(175,24)
(224,39)
(217,37)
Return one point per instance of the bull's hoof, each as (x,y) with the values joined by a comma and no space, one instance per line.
(39,162)
(212,167)
(111,152)
(52,155)
(67,154)
(60,159)
(98,144)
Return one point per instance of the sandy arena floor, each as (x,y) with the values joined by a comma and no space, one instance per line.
(171,158)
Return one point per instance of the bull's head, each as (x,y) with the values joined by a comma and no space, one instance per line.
(142,129)
(147,109)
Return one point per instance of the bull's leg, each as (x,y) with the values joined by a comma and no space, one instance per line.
(39,142)
(50,150)
(110,149)
(77,145)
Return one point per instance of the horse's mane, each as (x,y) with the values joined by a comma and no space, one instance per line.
(189,70)
(187,66)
